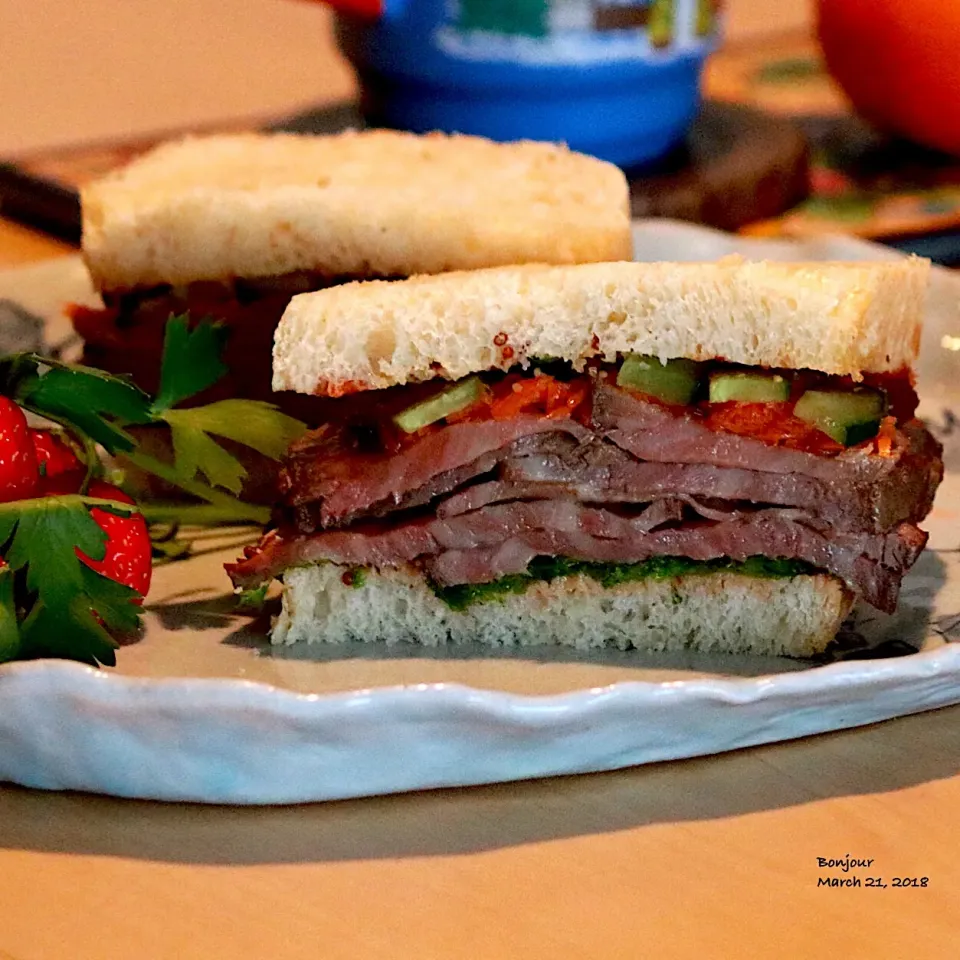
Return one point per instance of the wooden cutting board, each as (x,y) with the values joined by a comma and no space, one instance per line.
(737,165)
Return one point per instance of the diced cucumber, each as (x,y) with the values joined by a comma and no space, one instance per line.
(849,417)
(675,381)
(749,388)
(444,404)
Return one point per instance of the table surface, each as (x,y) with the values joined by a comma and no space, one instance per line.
(715,857)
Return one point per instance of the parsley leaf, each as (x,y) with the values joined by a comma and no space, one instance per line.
(98,407)
(253,423)
(195,452)
(68,631)
(191,360)
(57,524)
(257,425)
(253,599)
(115,603)
(52,604)
(9,630)
(71,610)
(94,403)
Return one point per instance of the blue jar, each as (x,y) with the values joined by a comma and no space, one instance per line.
(615,78)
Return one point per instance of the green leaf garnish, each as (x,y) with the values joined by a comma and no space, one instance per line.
(9,628)
(70,609)
(254,598)
(196,452)
(96,405)
(51,603)
(257,425)
(192,360)
(191,363)
(114,602)
(260,426)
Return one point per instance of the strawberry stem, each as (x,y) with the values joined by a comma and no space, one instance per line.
(202,514)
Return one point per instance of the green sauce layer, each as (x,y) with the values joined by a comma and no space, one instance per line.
(613,574)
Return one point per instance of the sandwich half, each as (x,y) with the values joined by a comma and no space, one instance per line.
(232,227)
(715,456)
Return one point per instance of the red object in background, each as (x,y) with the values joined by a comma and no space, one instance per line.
(368,9)
(128,556)
(899,63)
(19,475)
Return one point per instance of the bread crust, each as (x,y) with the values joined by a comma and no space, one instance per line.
(720,612)
(839,318)
(372,203)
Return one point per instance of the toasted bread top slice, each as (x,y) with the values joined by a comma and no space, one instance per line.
(839,318)
(358,204)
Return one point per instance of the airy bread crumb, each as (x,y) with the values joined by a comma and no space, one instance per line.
(720,612)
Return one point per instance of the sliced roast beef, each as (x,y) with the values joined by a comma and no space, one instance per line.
(652,431)
(345,482)
(473,501)
(499,540)
(497,523)
(874,573)
(654,451)
(502,491)
(378,543)
(600,472)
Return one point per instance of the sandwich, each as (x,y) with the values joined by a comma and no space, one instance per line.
(231,227)
(718,456)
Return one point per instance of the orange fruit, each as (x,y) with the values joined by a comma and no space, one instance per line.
(899,63)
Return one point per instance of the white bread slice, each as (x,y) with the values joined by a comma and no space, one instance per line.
(720,612)
(374,203)
(840,318)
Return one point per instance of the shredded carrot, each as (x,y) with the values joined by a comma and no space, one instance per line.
(773,423)
(886,435)
(342,388)
(542,395)
(520,395)
(574,395)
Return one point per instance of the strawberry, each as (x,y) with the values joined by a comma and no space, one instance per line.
(19,475)
(128,553)
(61,472)
(365,9)
(128,556)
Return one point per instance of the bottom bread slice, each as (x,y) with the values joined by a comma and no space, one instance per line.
(721,612)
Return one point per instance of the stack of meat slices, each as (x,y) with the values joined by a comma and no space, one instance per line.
(478,500)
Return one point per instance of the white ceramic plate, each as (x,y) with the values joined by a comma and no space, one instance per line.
(203,709)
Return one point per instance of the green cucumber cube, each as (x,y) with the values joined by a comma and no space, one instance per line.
(675,381)
(749,388)
(849,417)
(444,404)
